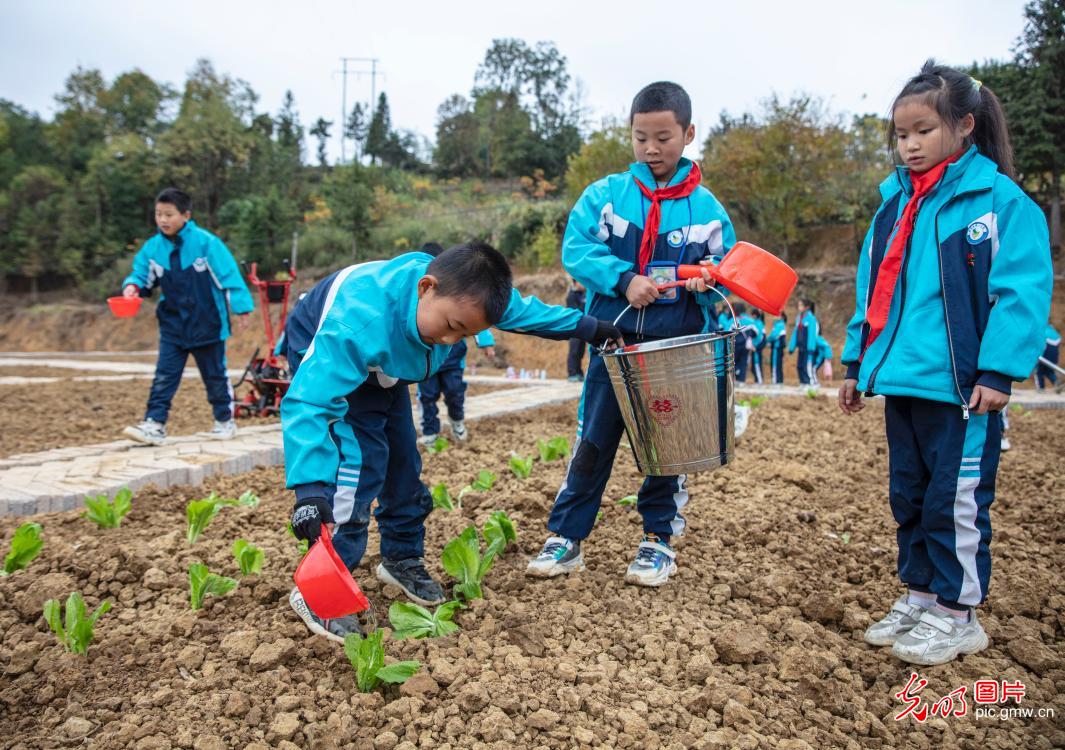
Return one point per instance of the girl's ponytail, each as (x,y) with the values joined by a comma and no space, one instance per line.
(991,135)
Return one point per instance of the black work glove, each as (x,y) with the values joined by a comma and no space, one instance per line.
(308,517)
(605,332)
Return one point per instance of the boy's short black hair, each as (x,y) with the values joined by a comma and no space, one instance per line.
(477,271)
(179,199)
(663,96)
(431,248)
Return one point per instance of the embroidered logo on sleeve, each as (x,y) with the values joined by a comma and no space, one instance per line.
(675,238)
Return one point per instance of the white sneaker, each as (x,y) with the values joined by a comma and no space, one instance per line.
(655,562)
(559,556)
(224,430)
(458,429)
(901,618)
(938,638)
(1005,443)
(428,439)
(149,432)
(743,415)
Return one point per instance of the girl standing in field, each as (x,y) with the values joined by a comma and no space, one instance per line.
(953,291)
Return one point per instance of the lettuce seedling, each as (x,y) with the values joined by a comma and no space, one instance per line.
(75,631)
(249,558)
(463,561)
(627,500)
(442,498)
(438,446)
(302,544)
(367,656)
(522,467)
(25,546)
(248,500)
(107,514)
(199,514)
(553,449)
(203,582)
(484,482)
(500,527)
(412,621)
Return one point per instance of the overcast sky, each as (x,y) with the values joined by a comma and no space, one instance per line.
(728,55)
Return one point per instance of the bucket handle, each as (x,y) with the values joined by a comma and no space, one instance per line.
(735,321)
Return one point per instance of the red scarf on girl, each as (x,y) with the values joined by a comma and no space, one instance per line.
(682,189)
(880,301)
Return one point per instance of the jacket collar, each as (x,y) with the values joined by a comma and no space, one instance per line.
(972,172)
(642,172)
(409,321)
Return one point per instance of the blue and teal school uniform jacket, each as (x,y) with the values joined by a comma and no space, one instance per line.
(756,327)
(824,351)
(779,335)
(806,327)
(972,296)
(199,281)
(601,249)
(1053,338)
(360,321)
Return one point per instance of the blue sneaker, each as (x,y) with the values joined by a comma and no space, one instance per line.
(559,556)
(655,562)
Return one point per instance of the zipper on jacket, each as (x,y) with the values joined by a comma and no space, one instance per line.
(428,363)
(946,317)
(902,301)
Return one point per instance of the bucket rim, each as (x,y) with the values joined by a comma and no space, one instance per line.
(676,342)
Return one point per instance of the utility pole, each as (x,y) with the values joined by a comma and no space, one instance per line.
(373,73)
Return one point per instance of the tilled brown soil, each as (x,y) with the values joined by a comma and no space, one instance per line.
(756,642)
(43,416)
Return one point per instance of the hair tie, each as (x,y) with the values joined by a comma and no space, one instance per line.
(976,84)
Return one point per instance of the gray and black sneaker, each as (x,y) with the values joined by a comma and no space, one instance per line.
(148,432)
(411,576)
(334,630)
(559,555)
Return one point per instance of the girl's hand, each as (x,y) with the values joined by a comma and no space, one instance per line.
(700,285)
(850,399)
(242,321)
(988,399)
(130,291)
(641,292)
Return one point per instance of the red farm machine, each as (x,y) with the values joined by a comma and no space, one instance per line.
(267,377)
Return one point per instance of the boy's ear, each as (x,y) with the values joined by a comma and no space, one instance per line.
(689,135)
(187,215)
(425,283)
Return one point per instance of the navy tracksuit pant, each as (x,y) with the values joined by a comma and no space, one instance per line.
(1044,374)
(804,366)
(379,460)
(756,364)
(942,484)
(776,356)
(599,431)
(448,381)
(169,368)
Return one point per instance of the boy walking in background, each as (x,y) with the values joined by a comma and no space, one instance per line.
(778,342)
(200,285)
(654,216)
(804,339)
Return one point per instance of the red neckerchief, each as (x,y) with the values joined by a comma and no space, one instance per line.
(682,189)
(880,301)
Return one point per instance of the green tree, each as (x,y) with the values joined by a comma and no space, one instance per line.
(606,151)
(356,127)
(320,130)
(379,132)
(22,141)
(134,103)
(457,138)
(349,194)
(34,217)
(80,124)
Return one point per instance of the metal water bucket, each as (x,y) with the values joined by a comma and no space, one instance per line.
(676,398)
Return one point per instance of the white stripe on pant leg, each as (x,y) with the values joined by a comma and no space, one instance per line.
(680,499)
(758,371)
(967,539)
(344,503)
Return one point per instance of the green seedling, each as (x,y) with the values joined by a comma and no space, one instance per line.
(108,514)
(412,621)
(598,518)
(522,467)
(301,544)
(845,537)
(367,656)
(203,582)
(812,393)
(463,561)
(627,500)
(754,402)
(25,546)
(500,527)
(483,483)
(248,500)
(75,630)
(442,497)
(200,513)
(438,446)
(553,449)
(249,558)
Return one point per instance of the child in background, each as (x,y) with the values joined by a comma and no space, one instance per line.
(940,329)
(200,285)
(1043,373)
(758,320)
(724,318)
(448,381)
(823,359)
(654,216)
(778,341)
(804,338)
(746,344)
(355,342)
(575,300)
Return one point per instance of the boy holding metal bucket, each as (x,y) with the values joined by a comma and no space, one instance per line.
(624,229)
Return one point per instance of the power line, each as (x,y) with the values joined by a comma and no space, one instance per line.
(373,73)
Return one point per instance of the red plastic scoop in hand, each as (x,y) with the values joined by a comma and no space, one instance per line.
(124,307)
(752,274)
(326,584)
